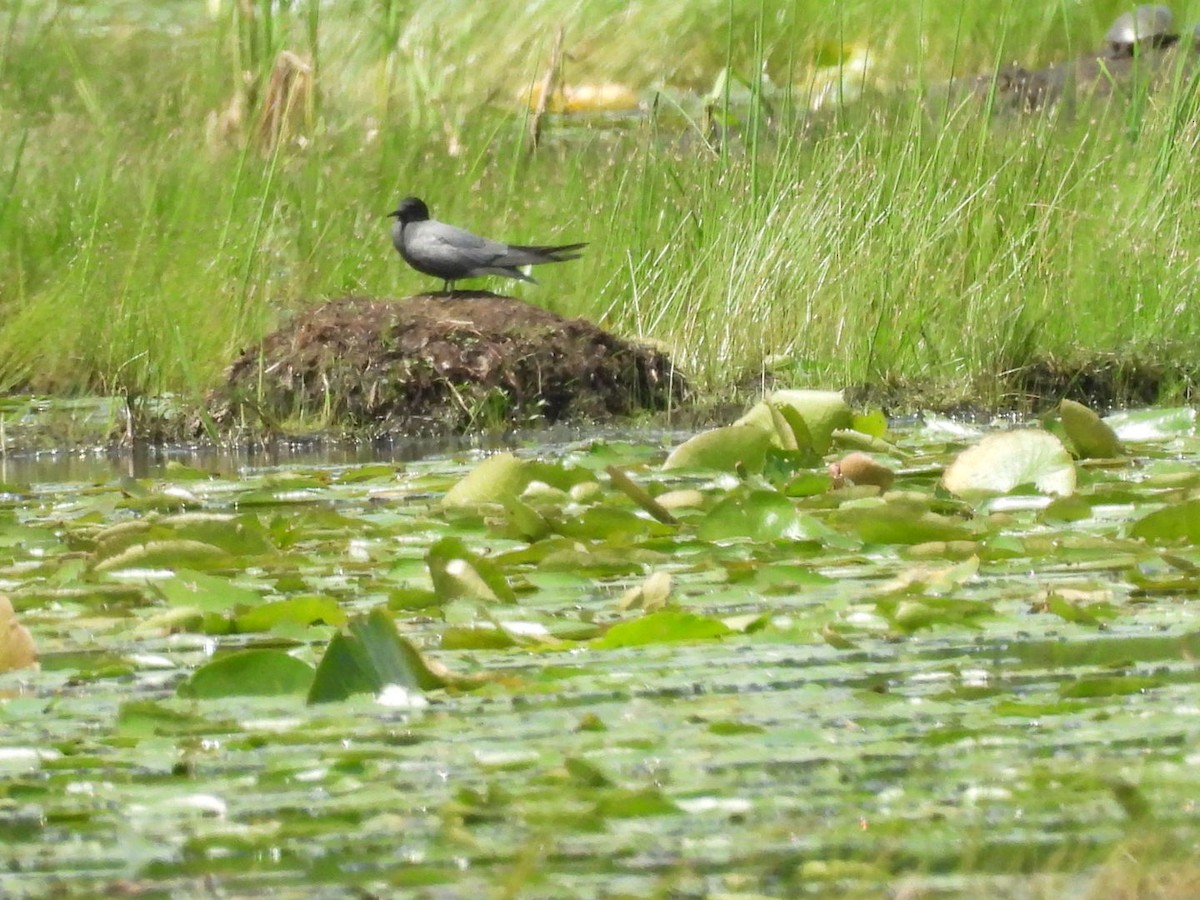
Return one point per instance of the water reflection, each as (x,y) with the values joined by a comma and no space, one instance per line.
(101,464)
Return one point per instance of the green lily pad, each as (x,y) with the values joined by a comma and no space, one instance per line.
(208,593)
(724,449)
(495,480)
(662,627)
(249,673)
(457,572)
(368,656)
(1091,437)
(757,515)
(822,412)
(293,611)
(1179,521)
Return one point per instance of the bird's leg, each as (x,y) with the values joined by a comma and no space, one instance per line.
(448,287)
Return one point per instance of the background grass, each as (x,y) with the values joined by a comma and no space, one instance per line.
(146,234)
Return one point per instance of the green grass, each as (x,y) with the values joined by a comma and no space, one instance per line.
(141,247)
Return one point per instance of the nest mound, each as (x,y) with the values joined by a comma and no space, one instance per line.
(435,363)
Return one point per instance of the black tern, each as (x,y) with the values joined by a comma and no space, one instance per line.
(449,253)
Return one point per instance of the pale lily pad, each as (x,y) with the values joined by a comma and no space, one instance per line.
(495,480)
(771,419)
(17,650)
(822,412)
(1001,462)
(1091,437)
(171,554)
(724,449)
(1153,424)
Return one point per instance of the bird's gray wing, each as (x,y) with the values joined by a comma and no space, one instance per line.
(447,247)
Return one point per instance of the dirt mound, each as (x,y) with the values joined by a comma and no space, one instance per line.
(437,363)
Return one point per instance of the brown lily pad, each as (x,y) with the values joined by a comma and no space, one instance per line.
(437,363)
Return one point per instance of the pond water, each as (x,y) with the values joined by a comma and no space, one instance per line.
(766,692)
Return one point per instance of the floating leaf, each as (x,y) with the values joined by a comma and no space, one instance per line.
(369,656)
(294,611)
(148,718)
(167,555)
(1088,434)
(821,411)
(723,449)
(900,521)
(757,515)
(248,673)
(1180,521)
(456,572)
(652,594)
(496,479)
(663,627)
(17,650)
(623,803)
(1153,424)
(1001,462)
(208,593)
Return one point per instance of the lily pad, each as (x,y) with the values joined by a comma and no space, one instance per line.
(823,412)
(1091,437)
(495,480)
(726,449)
(457,572)
(663,627)
(249,673)
(1001,462)
(368,656)
(17,650)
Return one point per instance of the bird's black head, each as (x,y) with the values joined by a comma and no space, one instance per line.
(411,209)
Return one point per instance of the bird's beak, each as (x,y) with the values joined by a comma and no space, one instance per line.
(395,214)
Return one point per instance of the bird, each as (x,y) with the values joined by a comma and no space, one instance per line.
(450,253)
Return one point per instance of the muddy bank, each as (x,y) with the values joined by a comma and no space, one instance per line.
(1143,52)
(436,363)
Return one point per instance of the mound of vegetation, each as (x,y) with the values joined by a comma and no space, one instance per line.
(436,363)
